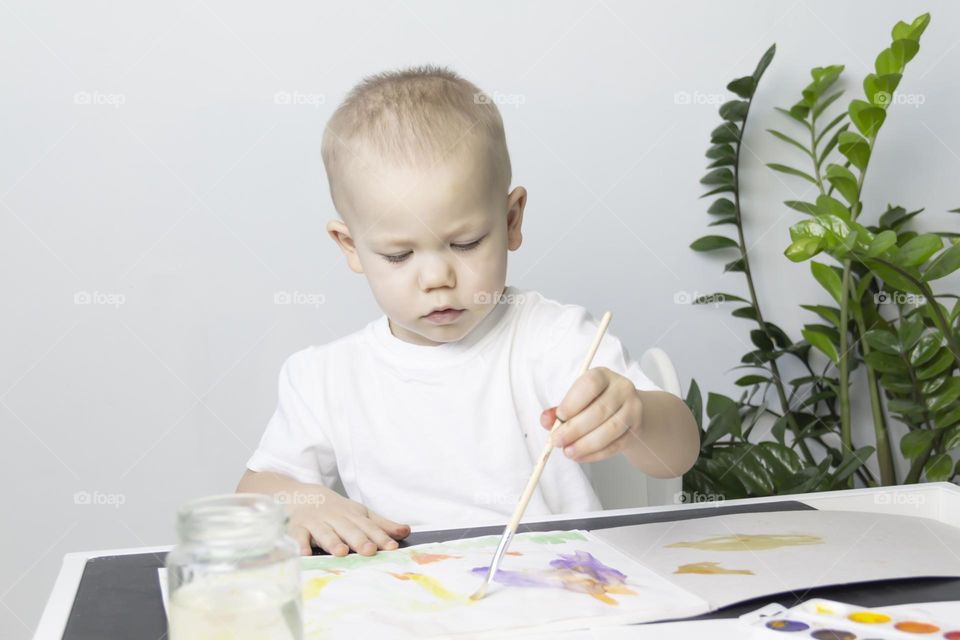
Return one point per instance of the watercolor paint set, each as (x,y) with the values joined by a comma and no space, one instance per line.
(831,620)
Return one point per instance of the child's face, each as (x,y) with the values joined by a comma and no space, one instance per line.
(431,238)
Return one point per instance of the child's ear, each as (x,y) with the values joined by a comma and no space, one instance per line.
(340,233)
(516,201)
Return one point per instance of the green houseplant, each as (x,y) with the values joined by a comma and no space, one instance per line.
(909,359)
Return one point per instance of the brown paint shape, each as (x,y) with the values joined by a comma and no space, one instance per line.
(710,569)
(749,542)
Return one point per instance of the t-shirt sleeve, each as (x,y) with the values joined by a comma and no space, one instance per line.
(565,348)
(294,442)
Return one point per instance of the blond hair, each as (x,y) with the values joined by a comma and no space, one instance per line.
(414,117)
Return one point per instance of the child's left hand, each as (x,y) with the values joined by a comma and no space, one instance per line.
(601,413)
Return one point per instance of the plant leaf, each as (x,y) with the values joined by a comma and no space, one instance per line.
(782,168)
(855,148)
(938,468)
(916,250)
(789,140)
(915,442)
(743,87)
(944,264)
(712,243)
(829,280)
(722,207)
(866,117)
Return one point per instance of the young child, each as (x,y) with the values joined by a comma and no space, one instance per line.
(428,414)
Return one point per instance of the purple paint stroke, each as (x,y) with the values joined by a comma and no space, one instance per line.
(580,562)
(583,562)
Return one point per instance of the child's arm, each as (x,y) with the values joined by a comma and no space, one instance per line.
(318,513)
(605,415)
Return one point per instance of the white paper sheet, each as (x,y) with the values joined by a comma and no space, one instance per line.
(555,581)
(788,551)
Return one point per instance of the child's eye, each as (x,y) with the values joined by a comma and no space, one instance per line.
(467,247)
(398,258)
(470,246)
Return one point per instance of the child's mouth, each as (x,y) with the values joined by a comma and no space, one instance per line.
(444,316)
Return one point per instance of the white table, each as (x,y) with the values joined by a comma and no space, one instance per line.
(939,501)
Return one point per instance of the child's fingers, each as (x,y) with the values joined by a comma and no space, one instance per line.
(327,539)
(548,417)
(354,536)
(585,422)
(302,536)
(375,533)
(585,388)
(605,438)
(395,530)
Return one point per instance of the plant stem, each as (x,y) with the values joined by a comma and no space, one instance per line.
(774,369)
(888,474)
(846,434)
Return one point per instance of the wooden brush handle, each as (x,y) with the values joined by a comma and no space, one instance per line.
(538,470)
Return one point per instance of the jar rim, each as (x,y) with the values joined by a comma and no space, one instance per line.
(231,518)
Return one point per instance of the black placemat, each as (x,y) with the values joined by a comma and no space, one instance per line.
(119,596)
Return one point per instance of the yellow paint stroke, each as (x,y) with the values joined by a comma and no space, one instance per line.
(427,558)
(432,585)
(315,585)
(576,581)
(710,569)
(750,542)
(513,553)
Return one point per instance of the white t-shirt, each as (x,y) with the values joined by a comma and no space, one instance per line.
(447,433)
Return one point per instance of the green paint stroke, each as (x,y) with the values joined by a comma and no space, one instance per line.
(402,556)
(557,537)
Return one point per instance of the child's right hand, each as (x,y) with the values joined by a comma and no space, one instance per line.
(337,525)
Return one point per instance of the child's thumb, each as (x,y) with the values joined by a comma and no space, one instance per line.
(548,417)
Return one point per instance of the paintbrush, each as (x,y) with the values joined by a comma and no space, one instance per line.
(537,472)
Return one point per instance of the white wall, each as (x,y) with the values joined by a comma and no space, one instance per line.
(200,197)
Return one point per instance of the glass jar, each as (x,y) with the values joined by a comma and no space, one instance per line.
(234,574)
